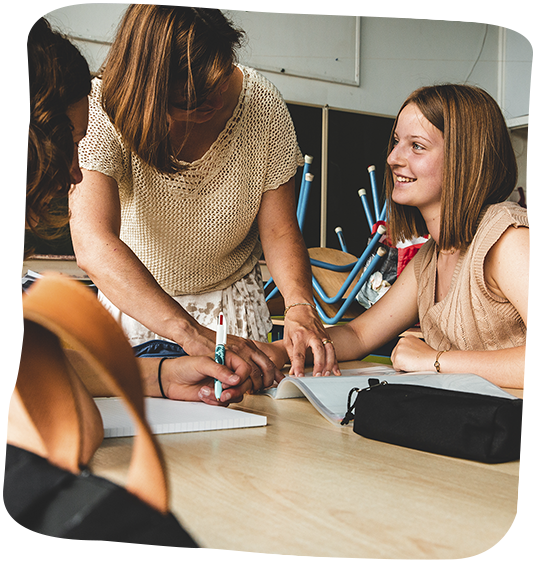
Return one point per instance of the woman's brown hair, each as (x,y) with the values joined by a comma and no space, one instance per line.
(59,77)
(161,53)
(479,162)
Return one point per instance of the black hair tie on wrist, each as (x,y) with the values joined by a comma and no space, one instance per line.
(160,376)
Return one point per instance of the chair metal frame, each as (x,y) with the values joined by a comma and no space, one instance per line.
(353,268)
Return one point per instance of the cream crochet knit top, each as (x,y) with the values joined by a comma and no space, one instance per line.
(196,230)
(470,317)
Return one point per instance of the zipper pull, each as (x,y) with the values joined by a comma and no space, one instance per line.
(350,414)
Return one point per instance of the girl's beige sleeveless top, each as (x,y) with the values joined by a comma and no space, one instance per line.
(470,317)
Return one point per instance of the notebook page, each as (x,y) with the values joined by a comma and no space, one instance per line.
(165,416)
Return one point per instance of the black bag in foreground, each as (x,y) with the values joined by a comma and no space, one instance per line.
(54,502)
(441,421)
(55,427)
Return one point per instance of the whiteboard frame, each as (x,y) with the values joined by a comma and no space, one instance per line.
(354,81)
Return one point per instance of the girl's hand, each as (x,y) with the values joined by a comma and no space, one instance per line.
(191,378)
(413,354)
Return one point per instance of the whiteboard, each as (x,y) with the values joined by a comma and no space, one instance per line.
(311,46)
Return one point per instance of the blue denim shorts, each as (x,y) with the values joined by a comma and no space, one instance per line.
(158,349)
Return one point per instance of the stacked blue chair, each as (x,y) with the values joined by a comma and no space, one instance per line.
(355,269)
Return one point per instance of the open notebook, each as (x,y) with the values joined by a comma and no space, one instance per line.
(329,394)
(166,417)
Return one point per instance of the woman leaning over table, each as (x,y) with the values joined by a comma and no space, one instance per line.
(452,169)
(60,82)
(188,163)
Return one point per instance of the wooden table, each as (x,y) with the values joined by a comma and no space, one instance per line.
(303,486)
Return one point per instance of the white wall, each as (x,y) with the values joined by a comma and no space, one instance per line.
(517,55)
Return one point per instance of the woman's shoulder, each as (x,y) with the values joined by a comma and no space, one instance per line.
(499,228)
(507,259)
(506,213)
(259,85)
(102,148)
(497,234)
(494,220)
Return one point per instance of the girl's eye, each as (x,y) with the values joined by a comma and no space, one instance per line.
(417,146)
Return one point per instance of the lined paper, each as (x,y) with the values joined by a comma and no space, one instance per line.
(166,416)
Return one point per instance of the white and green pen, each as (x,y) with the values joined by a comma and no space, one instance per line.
(221,340)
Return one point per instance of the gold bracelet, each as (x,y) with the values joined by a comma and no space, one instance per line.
(437,363)
(313,305)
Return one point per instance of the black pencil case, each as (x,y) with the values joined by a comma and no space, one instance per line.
(441,421)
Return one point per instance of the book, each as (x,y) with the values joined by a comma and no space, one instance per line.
(166,416)
(329,394)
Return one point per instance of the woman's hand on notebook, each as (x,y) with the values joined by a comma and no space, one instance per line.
(307,343)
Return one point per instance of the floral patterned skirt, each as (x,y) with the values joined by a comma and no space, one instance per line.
(243,305)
